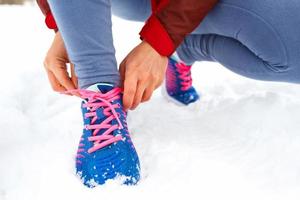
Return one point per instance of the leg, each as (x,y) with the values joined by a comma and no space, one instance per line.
(135,10)
(88,39)
(105,150)
(257,39)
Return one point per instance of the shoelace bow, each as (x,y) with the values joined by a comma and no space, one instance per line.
(98,100)
(184,75)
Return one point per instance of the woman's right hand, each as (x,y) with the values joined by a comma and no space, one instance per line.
(55,64)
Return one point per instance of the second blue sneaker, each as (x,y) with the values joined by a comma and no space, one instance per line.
(179,82)
(105,150)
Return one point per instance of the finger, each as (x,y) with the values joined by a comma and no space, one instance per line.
(73,76)
(148,93)
(74,79)
(122,73)
(130,85)
(63,77)
(138,95)
(158,83)
(56,86)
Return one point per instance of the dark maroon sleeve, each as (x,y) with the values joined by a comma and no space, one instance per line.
(43,4)
(172,20)
(49,20)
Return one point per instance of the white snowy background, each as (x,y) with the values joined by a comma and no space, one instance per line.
(241,141)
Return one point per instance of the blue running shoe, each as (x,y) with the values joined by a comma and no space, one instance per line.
(105,150)
(179,82)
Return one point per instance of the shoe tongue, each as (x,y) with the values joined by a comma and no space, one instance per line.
(101,87)
(175,57)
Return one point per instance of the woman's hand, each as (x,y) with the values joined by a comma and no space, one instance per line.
(142,71)
(56,67)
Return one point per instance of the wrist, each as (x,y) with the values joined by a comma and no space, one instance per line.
(155,34)
(149,48)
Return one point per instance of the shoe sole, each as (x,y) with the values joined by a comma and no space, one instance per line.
(173,100)
(170,99)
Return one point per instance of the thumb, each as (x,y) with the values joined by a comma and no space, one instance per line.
(61,73)
(73,76)
(122,70)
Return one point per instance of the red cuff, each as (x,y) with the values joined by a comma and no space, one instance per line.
(155,34)
(50,21)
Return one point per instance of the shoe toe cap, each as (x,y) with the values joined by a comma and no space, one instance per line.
(187,97)
(119,159)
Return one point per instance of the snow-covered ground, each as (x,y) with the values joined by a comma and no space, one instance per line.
(241,141)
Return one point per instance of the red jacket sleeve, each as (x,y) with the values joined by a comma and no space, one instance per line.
(172,20)
(49,20)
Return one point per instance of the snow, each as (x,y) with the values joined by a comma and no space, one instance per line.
(241,141)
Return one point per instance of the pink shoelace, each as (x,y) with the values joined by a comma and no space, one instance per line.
(96,100)
(185,75)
